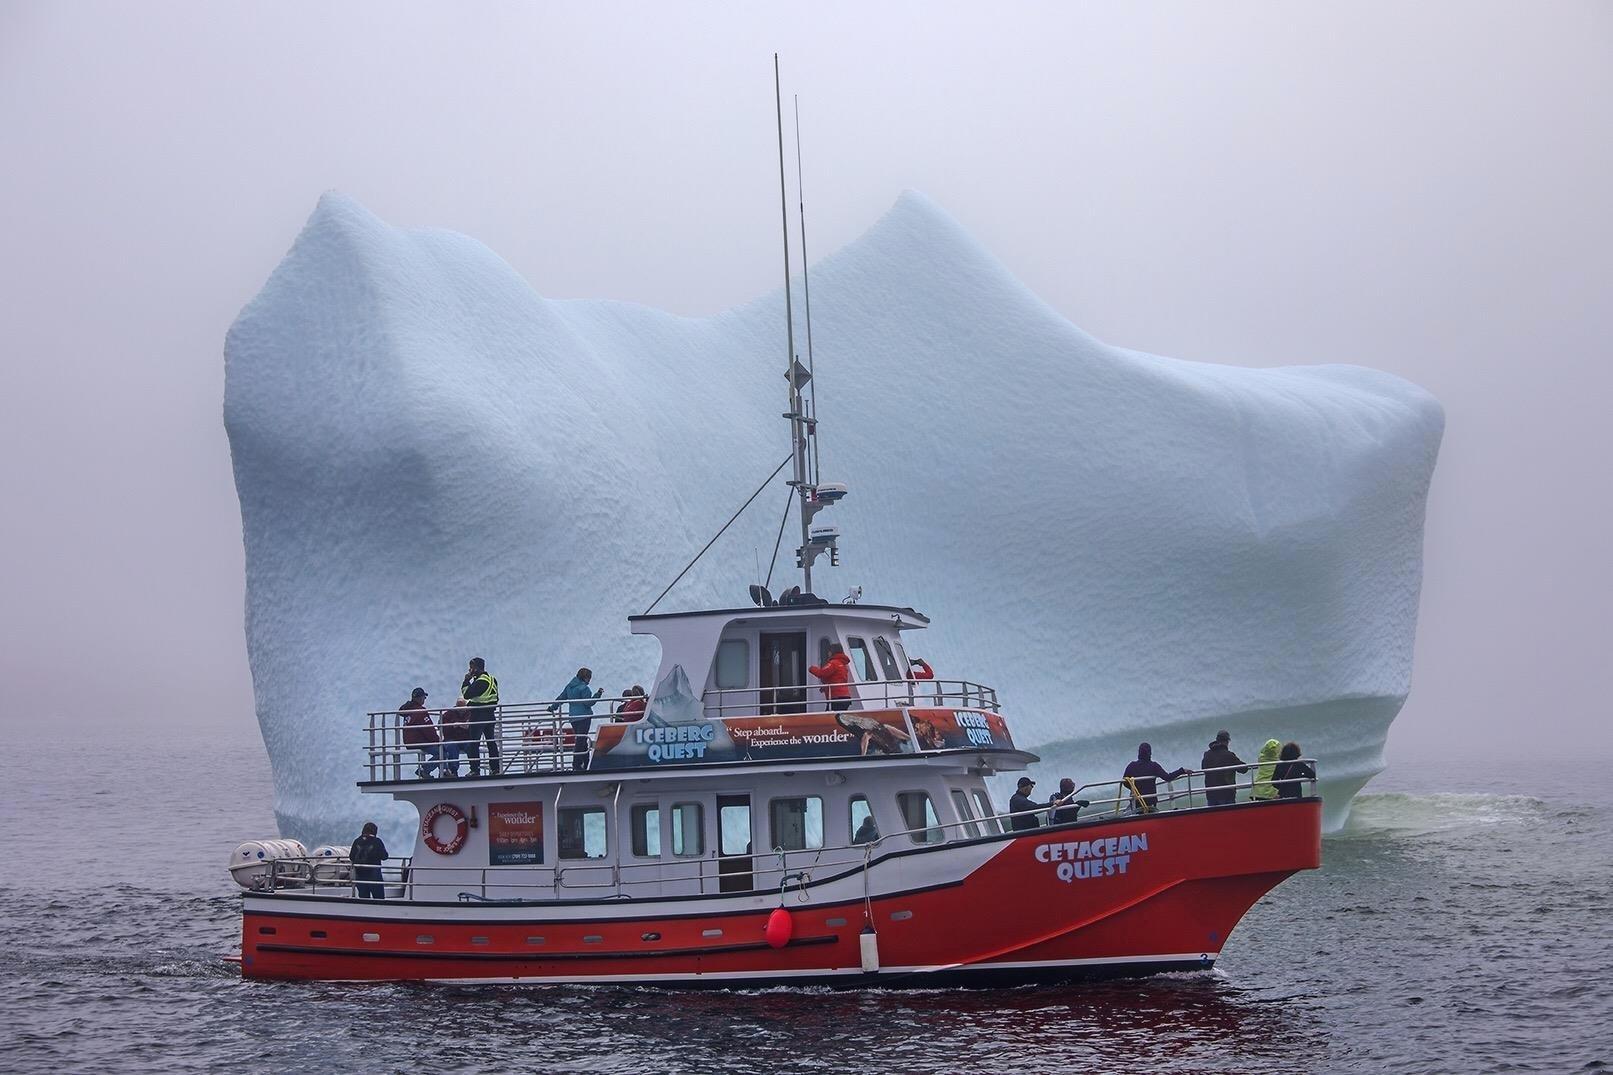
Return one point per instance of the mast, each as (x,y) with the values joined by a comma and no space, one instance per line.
(803,425)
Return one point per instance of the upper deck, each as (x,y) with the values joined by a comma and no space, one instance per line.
(745,726)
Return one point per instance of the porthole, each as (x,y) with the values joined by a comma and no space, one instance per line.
(372,937)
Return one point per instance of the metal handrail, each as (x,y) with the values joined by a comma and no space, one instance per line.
(865,694)
(538,737)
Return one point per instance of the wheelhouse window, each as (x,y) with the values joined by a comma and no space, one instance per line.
(797,823)
(645,821)
(987,811)
(733,664)
(887,659)
(688,834)
(582,832)
(862,660)
(864,830)
(919,817)
(961,802)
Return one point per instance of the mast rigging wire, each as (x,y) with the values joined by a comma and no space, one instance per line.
(788,500)
(719,534)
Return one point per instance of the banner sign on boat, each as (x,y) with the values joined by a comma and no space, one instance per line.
(514,834)
(953,729)
(796,736)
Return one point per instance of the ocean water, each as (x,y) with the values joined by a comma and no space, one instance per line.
(1461,923)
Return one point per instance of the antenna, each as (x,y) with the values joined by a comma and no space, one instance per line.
(806,295)
(795,373)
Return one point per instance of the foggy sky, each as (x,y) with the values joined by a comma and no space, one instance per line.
(1418,188)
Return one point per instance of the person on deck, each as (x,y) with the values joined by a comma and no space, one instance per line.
(1220,789)
(632,708)
(1290,773)
(1144,772)
(366,855)
(420,733)
(581,711)
(1064,807)
(480,691)
(456,734)
(1267,767)
(1026,811)
(835,675)
(919,668)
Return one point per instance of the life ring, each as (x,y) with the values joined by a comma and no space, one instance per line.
(428,829)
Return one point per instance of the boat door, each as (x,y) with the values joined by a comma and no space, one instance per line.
(783,673)
(734,844)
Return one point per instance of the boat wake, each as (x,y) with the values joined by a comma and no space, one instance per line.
(1418,815)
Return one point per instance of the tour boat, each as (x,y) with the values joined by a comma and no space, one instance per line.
(747,830)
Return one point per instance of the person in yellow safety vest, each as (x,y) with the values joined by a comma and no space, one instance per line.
(480,691)
(1267,762)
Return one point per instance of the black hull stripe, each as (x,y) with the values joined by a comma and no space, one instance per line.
(538,956)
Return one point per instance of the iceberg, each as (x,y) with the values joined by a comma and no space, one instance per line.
(435,462)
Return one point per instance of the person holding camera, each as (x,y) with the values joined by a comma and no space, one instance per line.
(581,709)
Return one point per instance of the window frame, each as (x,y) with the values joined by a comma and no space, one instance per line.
(852,824)
(676,833)
(989,819)
(560,833)
(921,836)
(636,811)
(887,658)
(772,822)
(960,803)
(853,646)
(743,645)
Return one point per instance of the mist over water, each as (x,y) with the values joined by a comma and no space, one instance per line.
(1459,923)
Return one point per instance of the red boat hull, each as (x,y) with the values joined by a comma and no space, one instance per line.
(1125,896)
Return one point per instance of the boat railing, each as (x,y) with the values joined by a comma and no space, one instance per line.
(869,694)
(777,870)
(541,737)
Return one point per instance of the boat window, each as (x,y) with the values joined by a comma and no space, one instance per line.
(983,801)
(688,836)
(733,664)
(919,817)
(582,832)
(863,828)
(734,821)
(862,661)
(887,659)
(961,801)
(901,654)
(797,823)
(645,819)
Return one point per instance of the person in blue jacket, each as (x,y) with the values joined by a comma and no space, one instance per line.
(581,711)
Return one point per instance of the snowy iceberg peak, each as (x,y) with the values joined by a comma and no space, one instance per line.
(433,461)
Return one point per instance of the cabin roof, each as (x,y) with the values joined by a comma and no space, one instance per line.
(918,619)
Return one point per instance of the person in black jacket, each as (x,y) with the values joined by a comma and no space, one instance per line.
(1024,808)
(366,855)
(1290,772)
(1145,771)
(1064,807)
(1220,788)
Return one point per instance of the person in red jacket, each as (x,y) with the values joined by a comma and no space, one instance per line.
(633,705)
(836,678)
(420,733)
(919,668)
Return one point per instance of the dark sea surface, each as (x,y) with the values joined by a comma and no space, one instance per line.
(1461,923)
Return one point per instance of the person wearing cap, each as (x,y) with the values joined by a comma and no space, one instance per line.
(1144,772)
(366,855)
(1026,811)
(480,691)
(1220,788)
(421,734)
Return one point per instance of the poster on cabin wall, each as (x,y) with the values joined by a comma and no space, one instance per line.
(514,834)
(854,733)
(960,729)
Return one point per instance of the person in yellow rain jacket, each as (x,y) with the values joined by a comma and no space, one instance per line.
(1266,768)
